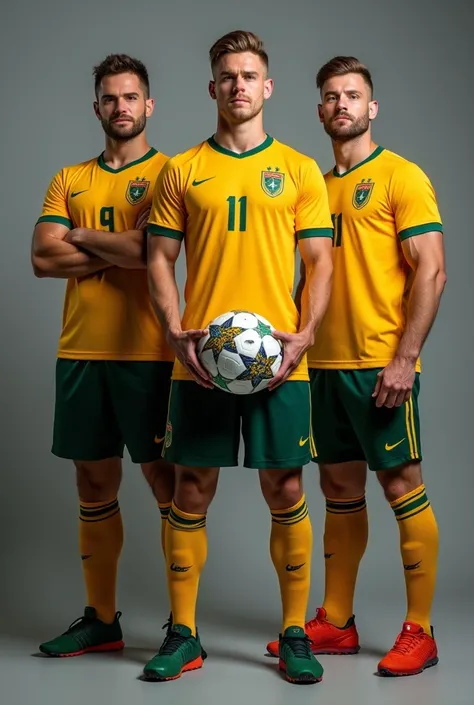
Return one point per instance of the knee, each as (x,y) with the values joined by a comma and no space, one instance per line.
(340,488)
(195,490)
(399,482)
(281,489)
(98,481)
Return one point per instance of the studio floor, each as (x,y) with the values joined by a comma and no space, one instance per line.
(238,671)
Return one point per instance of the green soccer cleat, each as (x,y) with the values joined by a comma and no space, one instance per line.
(296,658)
(180,652)
(86,635)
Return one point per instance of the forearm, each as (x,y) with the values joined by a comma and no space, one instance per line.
(165,295)
(423,304)
(61,260)
(126,250)
(312,296)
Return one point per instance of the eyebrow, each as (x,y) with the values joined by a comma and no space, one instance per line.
(130,93)
(232,74)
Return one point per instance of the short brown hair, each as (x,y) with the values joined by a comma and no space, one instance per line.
(114,64)
(236,43)
(340,66)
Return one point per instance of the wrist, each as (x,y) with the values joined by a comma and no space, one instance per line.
(407,357)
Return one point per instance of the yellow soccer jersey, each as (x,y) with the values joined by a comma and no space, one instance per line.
(107,315)
(240,216)
(375,205)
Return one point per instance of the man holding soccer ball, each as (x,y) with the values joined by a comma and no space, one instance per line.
(242,202)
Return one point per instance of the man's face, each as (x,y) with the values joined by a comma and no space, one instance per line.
(240,86)
(122,106)
(346,107)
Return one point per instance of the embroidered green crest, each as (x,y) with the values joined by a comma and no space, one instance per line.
(273,182)
(137,191)
(362,193)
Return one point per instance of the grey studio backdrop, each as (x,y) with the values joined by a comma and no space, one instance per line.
(419,54)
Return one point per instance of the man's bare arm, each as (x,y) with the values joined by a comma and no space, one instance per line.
(52,256)
(425,255)
(316,258)
(126,249)
(163,253)
(312,298)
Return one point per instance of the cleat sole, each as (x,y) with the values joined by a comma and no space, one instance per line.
(100,648)
(303,679)
(191,666)
(386,673)
(343,651)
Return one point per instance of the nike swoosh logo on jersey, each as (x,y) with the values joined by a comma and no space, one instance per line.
(303,441)
(77,193)
(198,183)
(388,447)
(159,440)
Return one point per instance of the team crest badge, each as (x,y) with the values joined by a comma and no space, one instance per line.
(137,191)
(362,193)
(273,182)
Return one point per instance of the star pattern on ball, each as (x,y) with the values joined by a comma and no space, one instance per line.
(257,368)
(221,337)
(220,381)
(263,329)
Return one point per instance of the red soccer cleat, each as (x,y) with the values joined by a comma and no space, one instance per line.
(326,638)
(413,651)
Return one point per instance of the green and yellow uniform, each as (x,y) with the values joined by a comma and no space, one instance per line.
(113,367)
(375,206)
(241,216)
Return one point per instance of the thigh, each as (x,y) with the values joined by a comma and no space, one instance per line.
(140,395)
(203,426)
(389,437)
(334,434)
(276,427)
(85,425)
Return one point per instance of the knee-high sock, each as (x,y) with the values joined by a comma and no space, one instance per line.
(419,549)
(345,541)
(100,544)
(186,553)
(290,548)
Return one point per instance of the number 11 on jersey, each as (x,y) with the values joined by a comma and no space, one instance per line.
(337,225)
(242,201)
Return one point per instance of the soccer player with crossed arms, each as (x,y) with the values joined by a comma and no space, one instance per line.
(242,202)
(114,364)
(389,275)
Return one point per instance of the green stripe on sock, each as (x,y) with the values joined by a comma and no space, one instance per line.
(291,517)
(414,503)
(343,506)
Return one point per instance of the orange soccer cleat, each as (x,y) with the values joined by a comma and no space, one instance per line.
(413,651)
(326,638)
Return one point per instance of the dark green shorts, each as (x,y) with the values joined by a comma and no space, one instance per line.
(204,427)
(348,426)
(103,406)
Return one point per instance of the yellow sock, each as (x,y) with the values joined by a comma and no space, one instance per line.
(164,508)
(345,540)
(186,553)
(419,548)
(291,542)
(100,544)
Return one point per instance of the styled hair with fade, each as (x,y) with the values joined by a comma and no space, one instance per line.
(340,66)
(114,64)
(237,42)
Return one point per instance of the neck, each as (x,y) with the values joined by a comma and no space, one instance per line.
(119,153)
(240,138)
(349,154)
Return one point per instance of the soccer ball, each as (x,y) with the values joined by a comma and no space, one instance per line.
(240,352)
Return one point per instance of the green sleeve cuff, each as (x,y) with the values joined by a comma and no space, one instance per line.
(55,219)
(420,229)
(314,232)
(165,232)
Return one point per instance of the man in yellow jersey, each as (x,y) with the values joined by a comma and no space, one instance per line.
(240,228)
(114,365)
(389,275)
